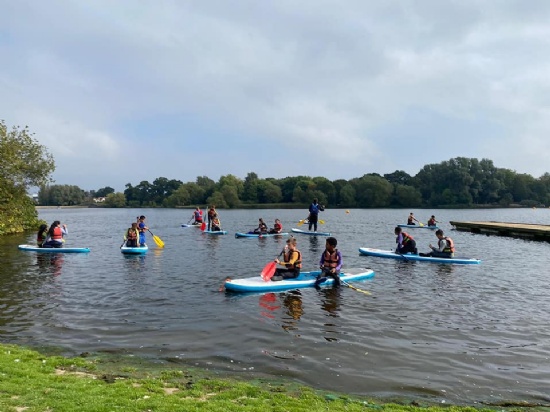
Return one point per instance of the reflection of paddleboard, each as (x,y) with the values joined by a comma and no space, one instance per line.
(307,232)
(306,279)
(134,250)
(252,234)
(407,256)
(33,248)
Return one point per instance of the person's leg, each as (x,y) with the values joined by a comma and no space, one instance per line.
(291,274)
(279,274)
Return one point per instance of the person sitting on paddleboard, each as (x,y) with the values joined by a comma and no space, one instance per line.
(292,262)
(216,225)
(55,235)
(262,227)
(277,227)
(412,219)
(330,263)
(197,215)
(211,214)
(445,246)
(41,235)
(405,242)
(314,210)
(432,221)
(131,236)
(142,228)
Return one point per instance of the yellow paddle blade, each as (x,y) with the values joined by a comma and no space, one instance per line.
(301,222)
(421,224)
(158,241)
(322,222)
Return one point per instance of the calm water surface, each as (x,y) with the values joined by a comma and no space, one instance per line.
(459,334)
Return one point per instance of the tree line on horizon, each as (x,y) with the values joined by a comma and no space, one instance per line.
(458,182)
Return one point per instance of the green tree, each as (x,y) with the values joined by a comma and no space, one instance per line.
(180,197)
(103,192)
(115,200)
(217,199)
(24,164)
(61,195)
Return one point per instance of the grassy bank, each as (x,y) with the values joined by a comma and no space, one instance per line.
(31,381)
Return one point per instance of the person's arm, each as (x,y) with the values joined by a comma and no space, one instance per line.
(322,261)
(64,230)
(340,261)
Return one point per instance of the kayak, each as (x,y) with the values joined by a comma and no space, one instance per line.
(134,250)
(186,225)
(215,232)
(307,232)
(306,279)
(419,227)
(252,234)
(407,256)
(33,248)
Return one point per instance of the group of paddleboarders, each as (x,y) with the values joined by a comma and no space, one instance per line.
(262,228)
(411,219)
(291,263)
(52,237)
(406,244)
(214,223)
(134,236)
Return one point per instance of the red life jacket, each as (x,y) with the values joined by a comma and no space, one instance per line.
(297,263)
(331,259)
(278,227)
(198,215)
(431,222)
(450,248)
(57,234)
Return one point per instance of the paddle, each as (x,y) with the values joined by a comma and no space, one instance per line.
(301,222)
(122,244)
(269,270)
(321,221)
(343,282)
(157,239)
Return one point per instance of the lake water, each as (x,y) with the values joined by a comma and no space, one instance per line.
(453,333)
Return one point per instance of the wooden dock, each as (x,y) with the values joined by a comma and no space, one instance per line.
(519,230)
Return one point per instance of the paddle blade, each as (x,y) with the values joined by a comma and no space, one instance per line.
(301,222)
(421,224)
(158,241)
(203,226)
(268,271)
(321,221)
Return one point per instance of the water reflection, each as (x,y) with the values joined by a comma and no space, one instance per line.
(50,263)
(268,304)
(330,303)
(292,301)
(314,245)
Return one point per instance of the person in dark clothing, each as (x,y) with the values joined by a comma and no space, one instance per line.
(405,242)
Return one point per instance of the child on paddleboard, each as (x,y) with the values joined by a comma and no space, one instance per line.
(292,262)
(142,228)
(330,263)
(131,236)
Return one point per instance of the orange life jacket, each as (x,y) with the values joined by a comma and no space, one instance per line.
(450,248)
(406,237)
(431,222)
(131,234)
(331,259)
(57,234)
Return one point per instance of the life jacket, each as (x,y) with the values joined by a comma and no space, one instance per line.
(131,234)
(406,237)
(41,237)
(297,263)
(198,215)
(211,213)
(57,234)
(431,222)
(331,259)
(278,227)
(450,248)
(314,208)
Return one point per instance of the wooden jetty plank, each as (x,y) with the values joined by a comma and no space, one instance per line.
(521,230)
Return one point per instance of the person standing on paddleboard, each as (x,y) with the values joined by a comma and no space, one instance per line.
(142,229)
(292,262)
(314,210)
(211,214)
(330,263)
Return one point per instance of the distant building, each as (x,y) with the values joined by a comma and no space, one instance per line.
(99,199)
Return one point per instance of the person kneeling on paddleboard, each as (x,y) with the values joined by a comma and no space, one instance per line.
(262,227)
(56,232)
(277,227)
(405,242)
(330,263)
(292,262)
(445,246)
(131,236)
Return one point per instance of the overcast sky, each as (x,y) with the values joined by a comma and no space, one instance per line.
(124,91)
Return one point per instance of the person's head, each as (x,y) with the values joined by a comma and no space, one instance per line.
(291,243)
(411,214)
(142,218)
(134,225)
(55,224)
(331,243)
(315,200)
(197,208)
(439,233)
(260,220)
(433,217)
(277,221)
(42,228)
(397,230)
